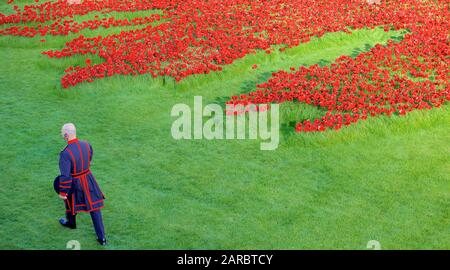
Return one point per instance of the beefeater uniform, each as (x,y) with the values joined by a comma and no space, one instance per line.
(79,185)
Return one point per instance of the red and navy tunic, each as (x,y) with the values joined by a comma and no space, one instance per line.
(76,180)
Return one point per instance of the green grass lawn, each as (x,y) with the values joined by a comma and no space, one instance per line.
(385,179)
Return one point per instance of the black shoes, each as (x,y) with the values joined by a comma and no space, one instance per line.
(102,242)
(65,223)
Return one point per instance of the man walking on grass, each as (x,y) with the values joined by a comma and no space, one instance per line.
(77,186)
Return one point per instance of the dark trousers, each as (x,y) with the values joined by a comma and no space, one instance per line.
(97,220)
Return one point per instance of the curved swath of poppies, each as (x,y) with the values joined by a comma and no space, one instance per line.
(394,79)
(198,37)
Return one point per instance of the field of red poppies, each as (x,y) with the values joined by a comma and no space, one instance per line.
(198,37)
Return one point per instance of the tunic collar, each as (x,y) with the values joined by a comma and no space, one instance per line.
(72,141)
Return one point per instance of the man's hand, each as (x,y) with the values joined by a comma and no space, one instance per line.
(62,197)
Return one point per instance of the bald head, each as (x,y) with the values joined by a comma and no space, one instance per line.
(68,131)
